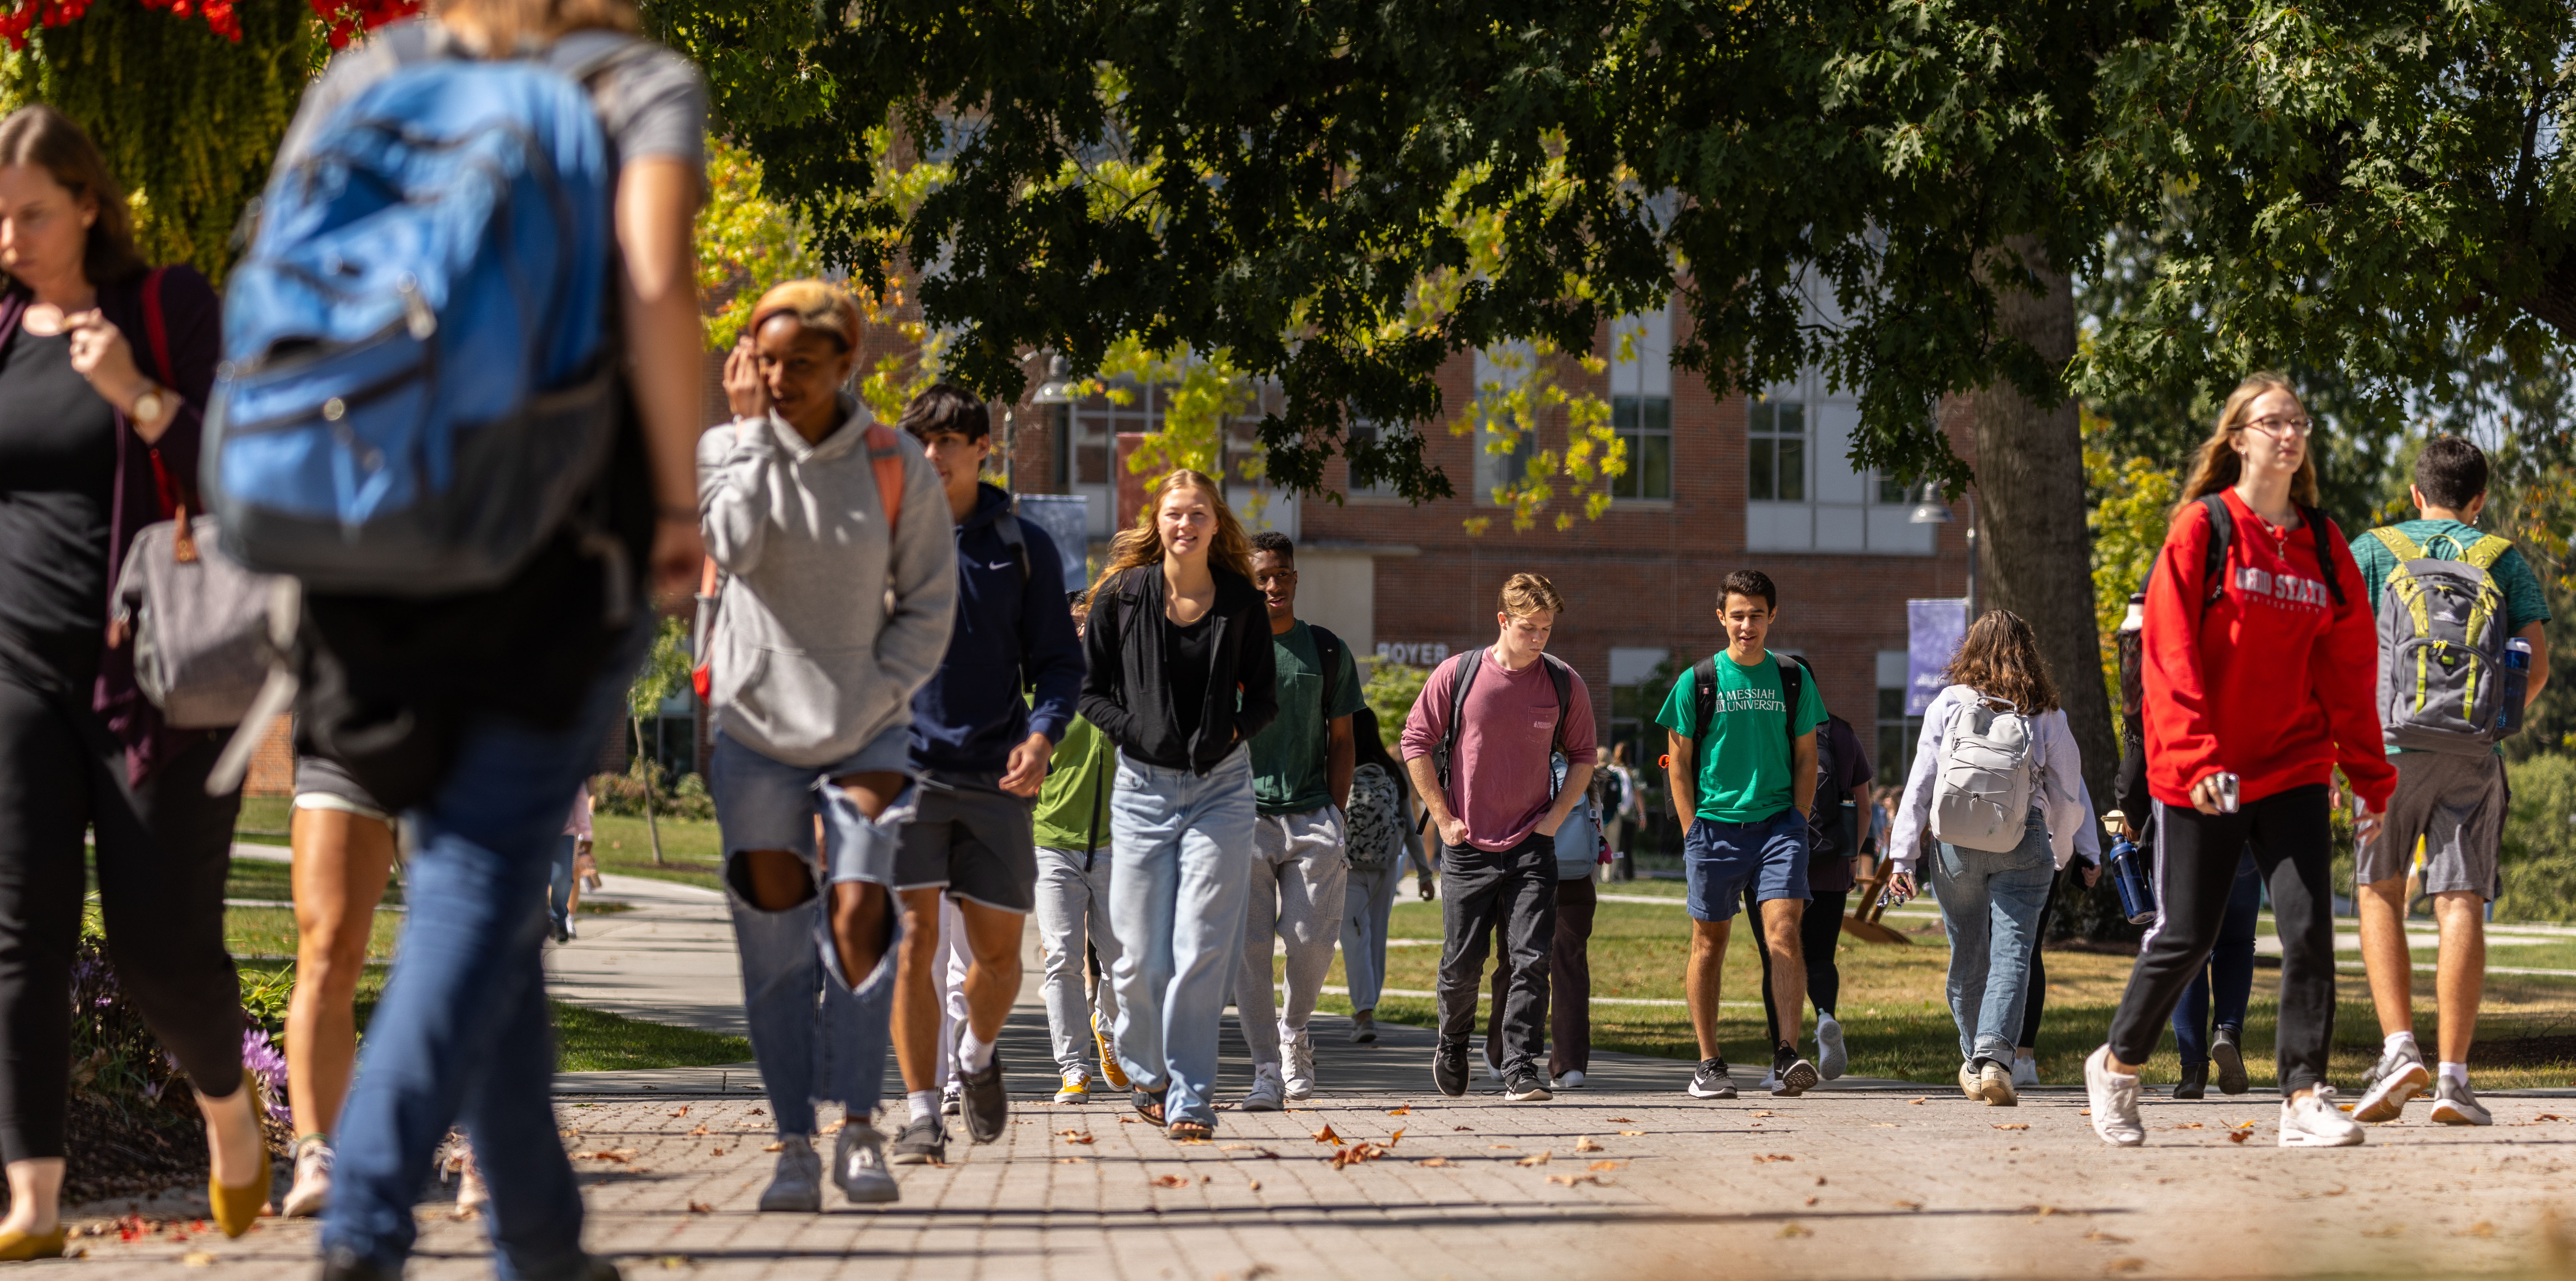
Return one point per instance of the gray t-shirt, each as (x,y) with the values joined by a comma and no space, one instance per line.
(652,102)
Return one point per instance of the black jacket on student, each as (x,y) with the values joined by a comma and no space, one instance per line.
(1128,690)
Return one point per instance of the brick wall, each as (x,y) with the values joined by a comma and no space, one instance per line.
(272,764)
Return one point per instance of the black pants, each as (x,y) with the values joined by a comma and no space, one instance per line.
(1820,931)
(2195,870)
(163,851)
(2035,1002)
(1513,891)
(1569,966)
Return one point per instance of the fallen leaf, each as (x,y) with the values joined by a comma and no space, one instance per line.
(1883,1125)
(2242,1125)
(1326,1135)
(2042,1211)
(2548,1116)
(1765,1158)
(1539,1157)
(2338,1190)
(1907,1205)
(1766,1112)
(1129,1120)
(759,1112)
(1433,1162)
(835,1127)
(2012,1125)
(2239,1136)
(2105,1238)
(775,1147)
(716,1152)
(1607,1165)
(1631,1133)
(2084,1112)
(1357,1153)
(620,1155)
(700,1132)
(2125,1265)
(1586,1144)
(684,1110)
(1222,1147)
(1796,1230)
(701,1207)
(1170,1181)
(1395,1138)
(1622,1120)
(1406,1110)
(1076,1136)
(1917,1102)
(1820,1180)
(1571,1180)
(1072,1160)
(2190,1125)
(675,1262)
(197,1259)
(1498,1147)
(1456,1129)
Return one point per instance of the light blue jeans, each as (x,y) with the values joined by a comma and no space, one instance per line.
(816,1037)
(1183,847)
(1368,902)
(1073,921)
(559,888)
(464,1033)
(1990,904)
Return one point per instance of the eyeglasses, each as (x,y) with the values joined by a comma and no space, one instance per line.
(2278,426)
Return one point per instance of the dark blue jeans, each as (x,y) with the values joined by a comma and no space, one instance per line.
(2229,979)
(464,1033)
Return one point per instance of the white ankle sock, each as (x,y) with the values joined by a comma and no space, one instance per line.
(974,1053)
(2399,1041)
(925,1103)
(2458,1072)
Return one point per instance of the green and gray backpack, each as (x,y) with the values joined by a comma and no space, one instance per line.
(2441,647)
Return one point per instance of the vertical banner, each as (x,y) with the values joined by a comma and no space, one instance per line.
(1067,519)
(1933,629)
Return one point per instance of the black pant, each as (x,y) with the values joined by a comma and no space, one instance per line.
(1820,931)
(1569,966)
(2035,1001)
(2195,870)
(1513,891)
(163,851)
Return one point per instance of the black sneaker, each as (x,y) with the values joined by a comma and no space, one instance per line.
(2229,1059)
(987,1107)
(1449,1068)
(1797,1075)
(1711,1081)
(1524,1086)
(2194,1083)
(923,1142)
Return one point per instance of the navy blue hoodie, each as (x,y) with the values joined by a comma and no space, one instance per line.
(1010,634)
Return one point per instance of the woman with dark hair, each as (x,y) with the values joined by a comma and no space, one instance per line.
(1382,841)
(104,372)
(2258,685)
(1182,675)
(1991,899)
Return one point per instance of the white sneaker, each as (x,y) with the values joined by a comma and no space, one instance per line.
(952,1098)
(1267,1093)
(1572,1080)
(1300,1053)
(2453,1104)
(1076,1087)
(312,1191)
(2025,1073)
(2313,1121)
(471,1195)
(1831,1058)
(2398,1076)
(2114,1097)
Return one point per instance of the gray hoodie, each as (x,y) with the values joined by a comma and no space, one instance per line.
(823,633)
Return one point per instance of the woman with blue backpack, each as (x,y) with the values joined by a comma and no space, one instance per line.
(105,368)
(1998,784)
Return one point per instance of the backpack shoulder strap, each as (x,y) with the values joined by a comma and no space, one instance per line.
(1703,696)
(1562,677)
(2319,528)
(1793,685)
(886,458)
(1328,653)
(2485,552)
(2222,535)
(2398,544)
(156,327)
(1464,666)
(1008,526)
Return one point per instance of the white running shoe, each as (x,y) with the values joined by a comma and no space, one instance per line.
(2313,1121)
(1572,1080)
(2453,1104)
(471,1194)
(312,1191)
(1831,1058)
(2114,1097)
(1267,1094)
(2025,1073)
(1076,1087)
(1994,1085)
(1300,1053)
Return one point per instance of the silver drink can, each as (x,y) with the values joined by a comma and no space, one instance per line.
(2227,784)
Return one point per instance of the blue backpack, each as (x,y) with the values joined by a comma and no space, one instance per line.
(418,380)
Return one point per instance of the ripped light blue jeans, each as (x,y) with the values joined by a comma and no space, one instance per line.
(816,1036)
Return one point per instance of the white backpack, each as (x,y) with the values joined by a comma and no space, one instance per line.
(1981,800)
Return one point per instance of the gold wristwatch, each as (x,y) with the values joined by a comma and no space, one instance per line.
(152,405)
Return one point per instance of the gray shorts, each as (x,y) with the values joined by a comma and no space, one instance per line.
(972,838)
(2456,804)
(323,784)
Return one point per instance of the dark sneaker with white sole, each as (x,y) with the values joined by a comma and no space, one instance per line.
(2229,1058)
(859,1165)
(1524,1086)
(987,1106)
(1797,1075)
(1449,1068)
(923,1142)
(1711,1081)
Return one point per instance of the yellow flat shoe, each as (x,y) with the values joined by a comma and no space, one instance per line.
(235,1209)
(18,1247)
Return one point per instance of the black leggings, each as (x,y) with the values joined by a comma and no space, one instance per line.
(2035,997)
(1820,931)
(163,851)
(2195,871)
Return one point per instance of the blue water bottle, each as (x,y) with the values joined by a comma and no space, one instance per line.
(2517,680)
(2128,867)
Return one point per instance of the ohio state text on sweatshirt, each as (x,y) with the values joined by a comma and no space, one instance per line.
(2272,680)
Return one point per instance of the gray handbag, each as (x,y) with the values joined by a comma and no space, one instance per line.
(200,624)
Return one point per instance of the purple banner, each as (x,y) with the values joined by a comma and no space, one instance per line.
(1933,629)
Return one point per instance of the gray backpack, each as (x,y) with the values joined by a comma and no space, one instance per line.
(2441,648)
(199,621)
(1981,799)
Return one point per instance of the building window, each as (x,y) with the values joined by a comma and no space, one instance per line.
(1641,403)
(1097,422)
(1499,373)
(1369,433)
(1779,452)
(1639,681)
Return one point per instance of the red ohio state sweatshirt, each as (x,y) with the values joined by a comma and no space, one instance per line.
(2273,680)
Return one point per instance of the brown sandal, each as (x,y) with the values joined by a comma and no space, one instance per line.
(1149,1104)
(1184,1130)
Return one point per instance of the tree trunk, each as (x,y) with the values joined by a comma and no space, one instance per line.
(644,767)
(2034,550)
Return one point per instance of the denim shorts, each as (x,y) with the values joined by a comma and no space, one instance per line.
(766,804)
(1720,859)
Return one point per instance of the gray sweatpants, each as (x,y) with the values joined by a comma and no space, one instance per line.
(1299,873)
(1073,910)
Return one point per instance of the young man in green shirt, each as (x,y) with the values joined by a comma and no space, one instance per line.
(1301,783)
(1071,828)
(1742,786)
(2454,803)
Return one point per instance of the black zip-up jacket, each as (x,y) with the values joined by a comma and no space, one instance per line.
(1127,691)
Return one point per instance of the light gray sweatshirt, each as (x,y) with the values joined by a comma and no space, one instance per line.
(824,631)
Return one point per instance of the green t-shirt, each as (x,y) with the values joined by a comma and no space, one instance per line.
(1288,756)
(1744,772)
(2524,601)
(1073,803)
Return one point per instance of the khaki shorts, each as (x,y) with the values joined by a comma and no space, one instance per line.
(2456,804)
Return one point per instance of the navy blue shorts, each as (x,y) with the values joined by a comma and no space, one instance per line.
(1720,859)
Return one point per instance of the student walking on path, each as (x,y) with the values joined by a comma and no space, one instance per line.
(1479,744)
(1301,786)
(1742,729)
(100,409)
(1569,955)
(1383,840)
(2258,665)
(980,755)
(2437,580)
(841,591)
(1180,677)
(1997,781)
(1833,832)
(1071,828)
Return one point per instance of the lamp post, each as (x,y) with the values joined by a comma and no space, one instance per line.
(1930,512)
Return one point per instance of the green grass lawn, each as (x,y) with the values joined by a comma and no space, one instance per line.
(586,1040)
(1898,1025)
